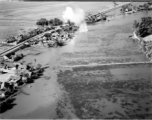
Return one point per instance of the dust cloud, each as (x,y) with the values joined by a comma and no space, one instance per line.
(76,15)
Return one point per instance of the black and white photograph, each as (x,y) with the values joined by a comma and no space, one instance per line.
(75,59)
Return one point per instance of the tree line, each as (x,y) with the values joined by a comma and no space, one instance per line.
(143,28)
(51,22)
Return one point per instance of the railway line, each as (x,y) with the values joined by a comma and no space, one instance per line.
(18,46)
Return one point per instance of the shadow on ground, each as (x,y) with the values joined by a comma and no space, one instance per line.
(7,105)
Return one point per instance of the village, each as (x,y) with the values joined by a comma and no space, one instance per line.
(54,33)
(17,74)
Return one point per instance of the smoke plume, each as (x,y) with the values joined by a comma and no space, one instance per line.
(77,16)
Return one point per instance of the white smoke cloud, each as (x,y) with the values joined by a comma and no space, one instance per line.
(77,16)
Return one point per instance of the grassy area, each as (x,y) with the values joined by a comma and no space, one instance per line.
(106,93)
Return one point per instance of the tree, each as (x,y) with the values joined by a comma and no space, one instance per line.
(10,39)
(55,22)
(146,7)
(59,31)
(51,22)
(150,29)
(66,28)
(47,35)
(144,27)
(135,25)
(70,23)
(42,22)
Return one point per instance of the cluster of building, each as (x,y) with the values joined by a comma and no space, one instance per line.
(132,9)
(13,76)
(90,19)
(55,38)
(18,74)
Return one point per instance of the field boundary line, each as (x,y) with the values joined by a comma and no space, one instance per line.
(107,64)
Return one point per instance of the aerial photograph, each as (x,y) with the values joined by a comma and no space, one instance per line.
(75,59)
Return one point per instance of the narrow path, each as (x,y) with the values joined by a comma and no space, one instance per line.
(109,64)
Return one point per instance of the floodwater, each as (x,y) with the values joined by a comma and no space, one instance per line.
(131,71)
(108,93)
(105,42)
